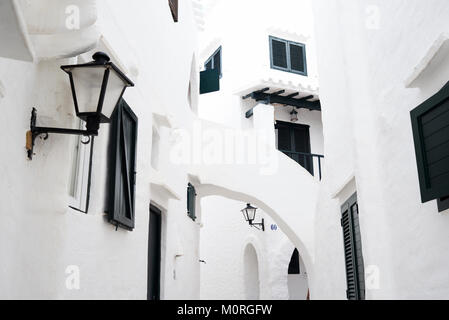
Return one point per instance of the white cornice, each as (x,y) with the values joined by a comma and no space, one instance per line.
(434,64)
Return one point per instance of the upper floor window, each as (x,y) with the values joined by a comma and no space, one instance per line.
(174,9)
(288,56)
(214,62)
(191,200)
(294,140)
(430,123)
(210,77)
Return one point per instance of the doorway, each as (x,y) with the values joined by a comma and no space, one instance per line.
(251,273)
(154,254)
(294,141)
(297,278)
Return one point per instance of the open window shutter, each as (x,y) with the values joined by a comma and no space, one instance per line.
(217,61)
(355,277)
(122,167)
(297,58)
(430,123)
(209,81)
(208,65)
(191,198)
(301,137)
(174,9)
(284,137)
(279,53)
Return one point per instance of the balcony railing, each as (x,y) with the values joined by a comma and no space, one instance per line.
(307,160)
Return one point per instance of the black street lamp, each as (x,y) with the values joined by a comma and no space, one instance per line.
(249,213)
(96,87)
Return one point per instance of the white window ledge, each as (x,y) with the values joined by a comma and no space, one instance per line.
(158,185)
(434,67)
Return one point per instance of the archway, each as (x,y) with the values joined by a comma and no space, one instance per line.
(206,190)
(251,273)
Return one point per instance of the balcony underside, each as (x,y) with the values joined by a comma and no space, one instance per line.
(279,98)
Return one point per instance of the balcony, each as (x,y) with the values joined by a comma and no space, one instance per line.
(308,161)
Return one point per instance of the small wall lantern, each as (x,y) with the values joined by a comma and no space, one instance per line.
(294,115)
(249,213)
(96,87)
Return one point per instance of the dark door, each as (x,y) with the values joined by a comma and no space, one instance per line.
(294,141)
(154,254)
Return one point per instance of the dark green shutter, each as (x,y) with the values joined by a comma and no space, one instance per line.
(284,139)
(288,56)
(294,141)
(297,58)
(122,167)
(355,273)
(208,65)
(209,81)
(430,124)
(191,199)
(217,61)
(279,53)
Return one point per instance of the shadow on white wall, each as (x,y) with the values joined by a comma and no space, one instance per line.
(251,273)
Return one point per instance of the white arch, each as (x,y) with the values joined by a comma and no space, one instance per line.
(279,276)
(205,190)
(287,192)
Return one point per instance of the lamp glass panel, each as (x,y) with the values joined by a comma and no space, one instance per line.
(251,213)
(88,82)
(294,116)
(245,215)
(113,93)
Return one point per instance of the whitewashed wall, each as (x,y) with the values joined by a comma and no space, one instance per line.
(224,240)
(245,65)
(375,48)
(40,236)
(367,143)
(246,52)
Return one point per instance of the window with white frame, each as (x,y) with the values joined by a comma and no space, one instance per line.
(80,175)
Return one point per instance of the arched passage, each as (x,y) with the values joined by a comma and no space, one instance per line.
(251,273)
(205,190)
(293,208)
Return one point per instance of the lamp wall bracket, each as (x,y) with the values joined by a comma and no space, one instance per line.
(259,226)
(36,131)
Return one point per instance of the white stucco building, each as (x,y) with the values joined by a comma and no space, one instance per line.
(352,188)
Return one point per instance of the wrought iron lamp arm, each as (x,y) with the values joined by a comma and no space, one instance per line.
(259,226)
(36,131)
